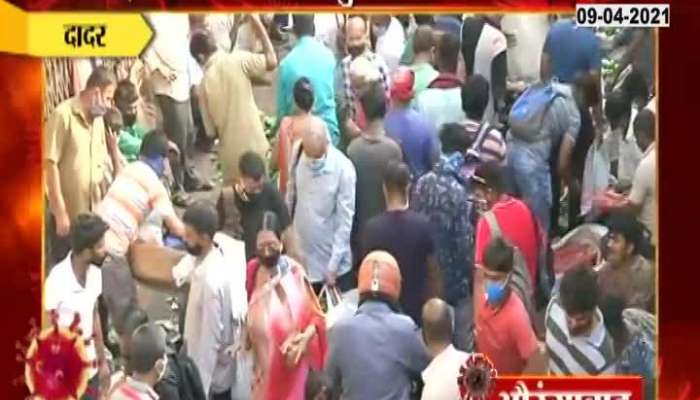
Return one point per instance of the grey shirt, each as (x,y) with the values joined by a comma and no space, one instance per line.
(322,204)
(375,354)
(370,155)
(562,119)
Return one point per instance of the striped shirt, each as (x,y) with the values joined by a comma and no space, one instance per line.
(577,355)
(134,194)
(493,148)
(350,95)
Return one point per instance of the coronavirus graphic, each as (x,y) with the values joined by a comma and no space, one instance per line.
(56,365)
(476,378)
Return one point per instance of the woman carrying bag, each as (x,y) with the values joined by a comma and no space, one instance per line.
(285,327)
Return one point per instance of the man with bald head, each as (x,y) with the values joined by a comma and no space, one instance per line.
(358,45)
(321,201)
(438,329)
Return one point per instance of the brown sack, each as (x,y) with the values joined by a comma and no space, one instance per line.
(153,264)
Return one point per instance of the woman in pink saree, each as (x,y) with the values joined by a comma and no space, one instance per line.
(285,325)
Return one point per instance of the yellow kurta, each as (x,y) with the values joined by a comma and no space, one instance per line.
(77,146)
(228,107)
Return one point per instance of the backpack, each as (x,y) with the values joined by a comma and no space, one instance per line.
(189,383)
(527,115)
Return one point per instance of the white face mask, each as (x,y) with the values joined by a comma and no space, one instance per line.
(380,30)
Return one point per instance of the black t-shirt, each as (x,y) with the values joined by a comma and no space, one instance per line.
(269,199)
(406,236)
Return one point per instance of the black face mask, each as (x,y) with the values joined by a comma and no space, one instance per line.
(195,250)
(251,197)
(356,51)
(244,195)
(129,119)
(269,257)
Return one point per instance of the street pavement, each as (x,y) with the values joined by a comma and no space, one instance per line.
(154,300)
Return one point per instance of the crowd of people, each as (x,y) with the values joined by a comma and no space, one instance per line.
(426,162)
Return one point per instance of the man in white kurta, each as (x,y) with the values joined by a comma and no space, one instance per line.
(216,309)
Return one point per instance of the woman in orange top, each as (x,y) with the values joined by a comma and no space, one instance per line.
(286,328)
(291,129)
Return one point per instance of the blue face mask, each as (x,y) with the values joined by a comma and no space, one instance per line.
(157,164)
(496,291)
(317,164)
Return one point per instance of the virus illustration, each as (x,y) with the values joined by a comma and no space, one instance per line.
(56,366)
(476,378)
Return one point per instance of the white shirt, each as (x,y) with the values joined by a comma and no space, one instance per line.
(440,376)
(492,42)
(216,307)
(220,26)
(530,32)
(63,293)
(629,154)
(644,189)
(391,44)
(326,30)
(170,52)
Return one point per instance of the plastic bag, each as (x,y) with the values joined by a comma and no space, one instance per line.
(337,306)
(596,175)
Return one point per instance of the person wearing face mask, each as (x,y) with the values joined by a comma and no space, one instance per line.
(285,326)
(503,329)
(514,218)
(321,200)
(76,157)
(134,194)
(241,206)
(216,307)
(73,287)
(357,42)
(148,364)
(577,340)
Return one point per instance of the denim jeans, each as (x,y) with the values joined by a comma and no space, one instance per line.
(531,178)
(463,335)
